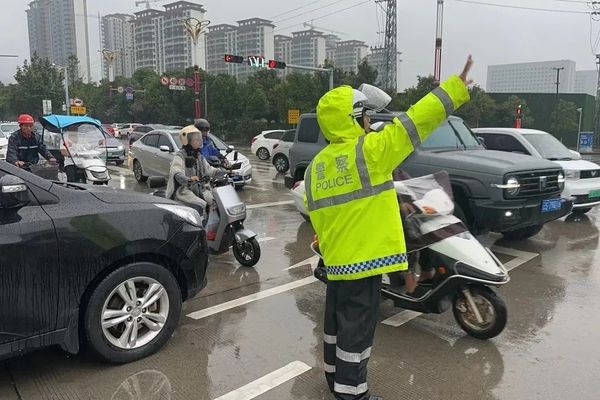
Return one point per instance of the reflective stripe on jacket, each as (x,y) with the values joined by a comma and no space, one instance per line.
(349,190)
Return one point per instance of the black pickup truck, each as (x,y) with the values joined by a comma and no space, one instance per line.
(495,191)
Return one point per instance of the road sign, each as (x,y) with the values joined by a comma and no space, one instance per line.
(176,87)
(189,82)
(77,102)
(181,81)
(120,89)
(47,107)
(586,142)
(79,110)
(293,116)
(129,96)
(173,81)
(164,80)
(128,89)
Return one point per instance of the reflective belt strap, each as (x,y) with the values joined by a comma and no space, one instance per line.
(330,339)
(445,99)
(352,357)
(411,129)
(27,147)
(354,390)
(366,190)
(330,369)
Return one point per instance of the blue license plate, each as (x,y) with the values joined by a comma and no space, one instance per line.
(550,205)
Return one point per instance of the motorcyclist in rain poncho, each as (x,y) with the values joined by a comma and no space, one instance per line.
(188,170)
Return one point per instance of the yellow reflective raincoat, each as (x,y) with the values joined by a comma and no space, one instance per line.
(349,191)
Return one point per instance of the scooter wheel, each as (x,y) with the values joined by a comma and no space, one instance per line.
(491,307)
(247,253)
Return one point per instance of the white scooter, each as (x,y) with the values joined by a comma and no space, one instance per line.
(225,224)
(464,269)
(90,167)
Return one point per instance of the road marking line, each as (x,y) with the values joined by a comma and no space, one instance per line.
(120,170)
(256,188)
(401,318)
(267,382)
(207,312)
(265,239)
(274,203)
(309,261)
(521,257)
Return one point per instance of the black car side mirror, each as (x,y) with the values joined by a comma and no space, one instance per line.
(13,192)
(230,148)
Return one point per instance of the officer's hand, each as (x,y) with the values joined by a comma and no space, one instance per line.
(52,160)
(194,179)
(464,74)
(19,163)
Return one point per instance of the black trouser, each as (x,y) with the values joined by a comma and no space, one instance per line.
(351,310)
(71,171)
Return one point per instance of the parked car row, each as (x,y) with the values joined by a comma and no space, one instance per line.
(513,190)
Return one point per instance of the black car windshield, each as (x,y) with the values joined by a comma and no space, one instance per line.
(453,135)
(548,146)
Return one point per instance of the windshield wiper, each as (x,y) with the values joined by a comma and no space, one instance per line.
(560,159)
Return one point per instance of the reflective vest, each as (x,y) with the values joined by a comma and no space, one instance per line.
(349,191)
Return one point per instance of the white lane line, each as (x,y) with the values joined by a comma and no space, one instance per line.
(309,261)
(267,382)
(521,257)
(401,318)
(256,188)
(121,171)
(207,312)
(274,203)
(265,239)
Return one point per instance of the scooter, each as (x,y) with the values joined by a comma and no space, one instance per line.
(464,269)
(226,216)
(90,167)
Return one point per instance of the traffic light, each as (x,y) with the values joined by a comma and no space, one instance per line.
(276,64)
(233,59)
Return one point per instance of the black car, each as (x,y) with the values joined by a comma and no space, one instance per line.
(93,265)
(140,131)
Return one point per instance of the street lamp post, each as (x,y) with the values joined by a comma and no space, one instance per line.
(110,56)
(65,69)
(194,28)
(580,111)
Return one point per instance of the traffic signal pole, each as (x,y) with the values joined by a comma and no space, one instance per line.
(302,67)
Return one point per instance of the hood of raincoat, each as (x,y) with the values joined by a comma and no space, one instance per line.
(334,114)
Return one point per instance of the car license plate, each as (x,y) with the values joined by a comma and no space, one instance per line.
(550,205)
(594,194)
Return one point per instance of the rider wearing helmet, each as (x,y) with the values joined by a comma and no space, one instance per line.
(354,211)
(188,168)
(208,147)
(24,146)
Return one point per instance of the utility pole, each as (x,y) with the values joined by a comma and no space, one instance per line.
(390,56)
(597,113)
(437,65)
(110,56)
(557,69)
(194,28)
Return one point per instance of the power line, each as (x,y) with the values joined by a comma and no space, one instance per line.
(327,15)
(310,11)
(481,3)
(295,9)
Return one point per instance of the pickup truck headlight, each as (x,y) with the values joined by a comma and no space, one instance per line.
(571,174)
(562,179)
(511,187)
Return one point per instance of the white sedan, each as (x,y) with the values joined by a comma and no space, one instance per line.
(298,191)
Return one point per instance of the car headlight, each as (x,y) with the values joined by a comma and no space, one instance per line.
(186,213)
(120,148)
(511,187)
(571,174)
(237,209)
(562,179)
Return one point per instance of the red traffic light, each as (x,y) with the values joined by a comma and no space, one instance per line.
(233,59)
(276,64)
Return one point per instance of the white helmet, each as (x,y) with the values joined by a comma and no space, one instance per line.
(369,97)
(188,133)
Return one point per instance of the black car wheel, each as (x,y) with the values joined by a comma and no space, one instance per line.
(281,163)
(138,172)
(582,210)
(263,154)
(132,312)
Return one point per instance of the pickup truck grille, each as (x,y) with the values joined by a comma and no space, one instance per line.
(538,183)
(593,173)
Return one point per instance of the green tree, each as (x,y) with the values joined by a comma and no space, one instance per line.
(73,70)
(36,81)
(565,120)
(481,107)
(505,114)
(403,101)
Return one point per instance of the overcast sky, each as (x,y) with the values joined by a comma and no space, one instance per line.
(493,35)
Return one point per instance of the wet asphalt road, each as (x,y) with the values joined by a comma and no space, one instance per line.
(549,349)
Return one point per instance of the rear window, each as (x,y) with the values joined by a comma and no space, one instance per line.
(309,131)
(164,141)
(274,135)
(150,140)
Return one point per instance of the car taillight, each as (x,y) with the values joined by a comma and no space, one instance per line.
(275,146)
(254,139)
